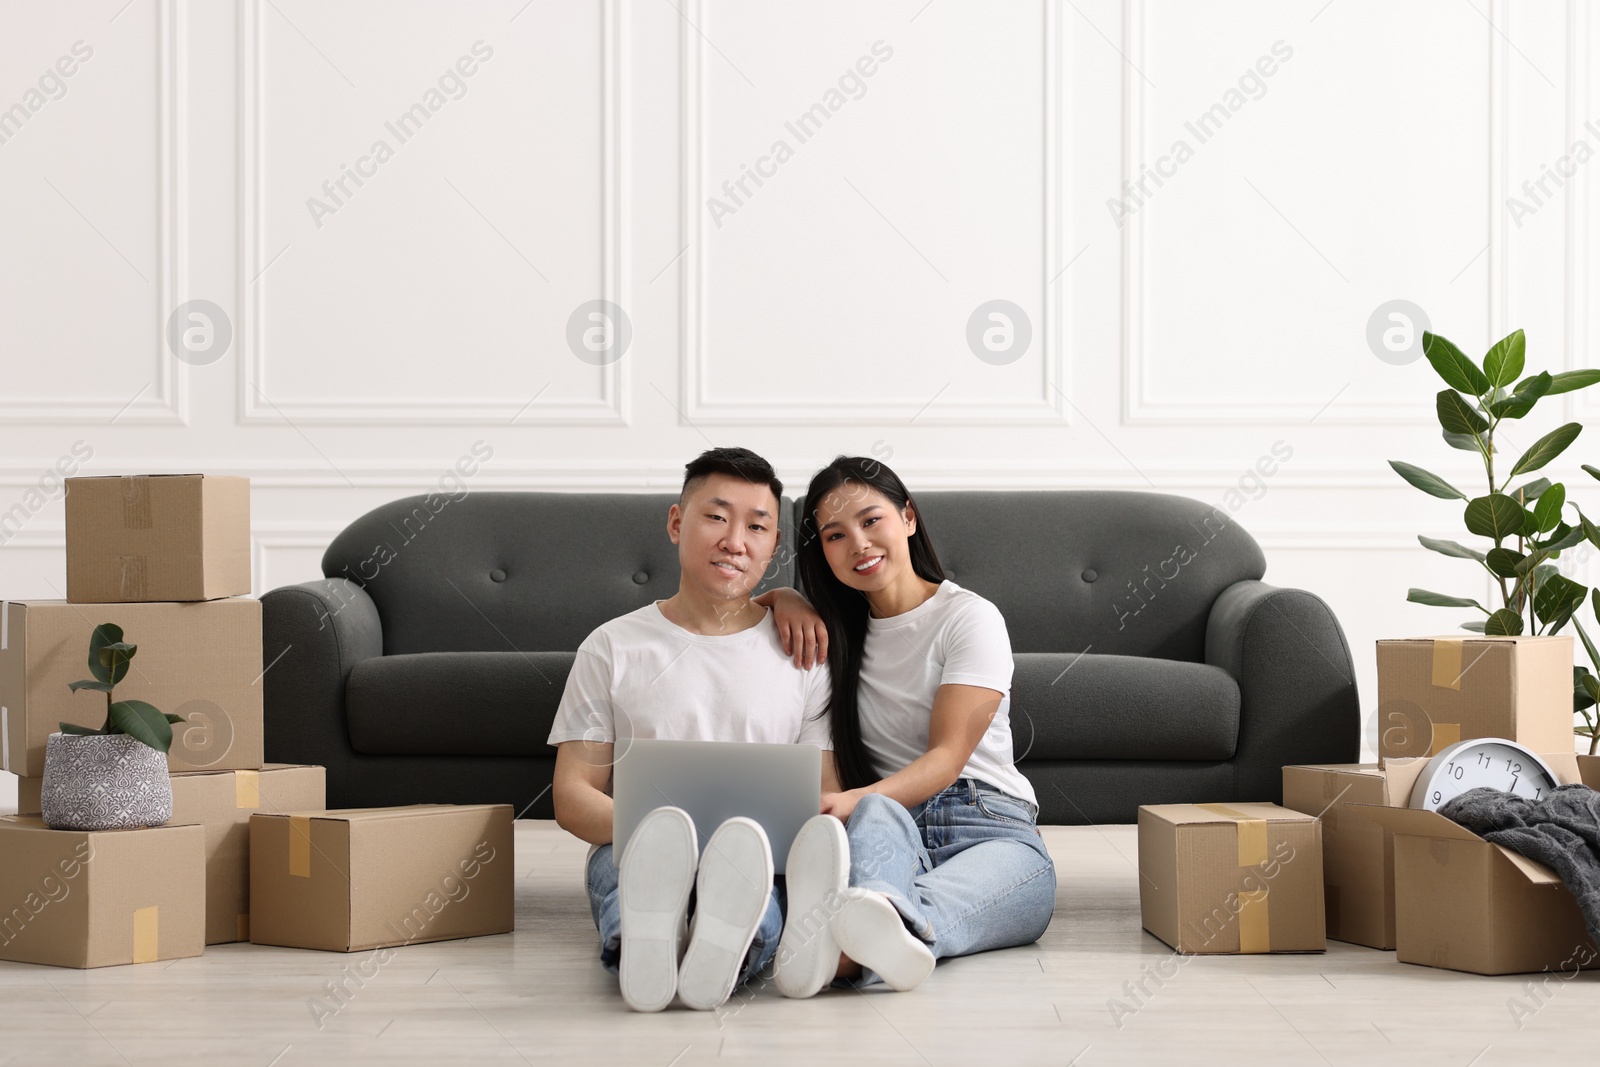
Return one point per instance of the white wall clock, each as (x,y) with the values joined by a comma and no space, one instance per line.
(1492,762)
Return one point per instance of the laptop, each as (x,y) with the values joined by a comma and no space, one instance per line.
(779,786)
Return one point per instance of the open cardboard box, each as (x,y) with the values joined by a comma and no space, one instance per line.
(1466,904)
(1357,853)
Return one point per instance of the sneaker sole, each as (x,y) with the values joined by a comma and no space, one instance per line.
(731,894)
(656,875)
(870,931)
(818,872)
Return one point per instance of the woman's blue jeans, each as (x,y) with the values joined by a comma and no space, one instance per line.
(966,868)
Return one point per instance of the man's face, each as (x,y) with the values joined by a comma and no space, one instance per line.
(726,532)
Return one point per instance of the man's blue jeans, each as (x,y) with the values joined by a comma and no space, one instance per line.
(966,868)
(605,906)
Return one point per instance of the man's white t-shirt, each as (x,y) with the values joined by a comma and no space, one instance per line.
(955,637)
(643,676)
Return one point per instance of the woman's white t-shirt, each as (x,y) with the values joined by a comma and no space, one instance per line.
(955,637)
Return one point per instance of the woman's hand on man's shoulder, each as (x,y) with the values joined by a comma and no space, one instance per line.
(800,628)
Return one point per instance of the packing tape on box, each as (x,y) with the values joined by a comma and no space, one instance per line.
(1447,662)
(1447,675)
(300,846)
(146,930)
(136,501)
(1445,734)
(132,577)
(1251,848)
(1254,935)
(244,926)
(247,789)
(5,736)
(1252,834)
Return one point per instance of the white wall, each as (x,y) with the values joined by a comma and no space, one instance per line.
(1174,340)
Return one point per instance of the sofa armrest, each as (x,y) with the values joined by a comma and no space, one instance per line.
(312,635)
(1297,686)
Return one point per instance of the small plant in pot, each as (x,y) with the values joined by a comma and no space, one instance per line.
(113,778)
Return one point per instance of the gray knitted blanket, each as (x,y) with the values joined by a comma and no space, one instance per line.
(1561,831)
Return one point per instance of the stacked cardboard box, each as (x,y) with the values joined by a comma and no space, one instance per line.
(1433,692)
(165,557)
(222,802)
(249,853)
(81,899)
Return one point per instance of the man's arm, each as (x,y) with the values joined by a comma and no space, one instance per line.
(578,791)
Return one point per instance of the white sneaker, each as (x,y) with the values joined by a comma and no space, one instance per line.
(731,895)
(653,883)
(870,931)
(818,873)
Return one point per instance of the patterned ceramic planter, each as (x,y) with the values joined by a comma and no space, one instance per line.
(104,782)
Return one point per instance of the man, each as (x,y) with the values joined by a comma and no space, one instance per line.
(706,664)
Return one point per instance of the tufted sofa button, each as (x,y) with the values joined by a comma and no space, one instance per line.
(497,575)
(1089,575)
(640,577)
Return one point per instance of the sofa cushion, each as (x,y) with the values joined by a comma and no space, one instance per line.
(456,703)
(503,572)
(1121,708)
(1128,574)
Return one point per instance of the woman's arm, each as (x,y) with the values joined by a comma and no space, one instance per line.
(961,715)
(800,628)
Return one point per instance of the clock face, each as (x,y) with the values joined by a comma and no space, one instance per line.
(1490,762)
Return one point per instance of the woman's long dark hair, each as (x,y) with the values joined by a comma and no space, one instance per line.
(844,609)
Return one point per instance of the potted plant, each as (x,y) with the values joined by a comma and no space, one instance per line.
(115,777)
(1525,523)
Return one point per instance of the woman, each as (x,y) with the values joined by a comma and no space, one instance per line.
(945,855)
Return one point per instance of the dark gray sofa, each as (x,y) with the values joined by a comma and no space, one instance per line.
(1152,663)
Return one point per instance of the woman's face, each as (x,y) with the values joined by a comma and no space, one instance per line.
(864,538)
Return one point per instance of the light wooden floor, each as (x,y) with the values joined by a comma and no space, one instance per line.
(540,995)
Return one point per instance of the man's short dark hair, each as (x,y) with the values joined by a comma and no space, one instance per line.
(736,462)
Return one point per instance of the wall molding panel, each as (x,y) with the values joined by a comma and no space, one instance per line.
(609,408)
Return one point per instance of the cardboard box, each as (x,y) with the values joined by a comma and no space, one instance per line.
(1357,853)
(364,878)
(1231,878)
(201,661)
(222,802)
(1589,770)
(1465,904)
(73,898)
(1435,691)
(157,537)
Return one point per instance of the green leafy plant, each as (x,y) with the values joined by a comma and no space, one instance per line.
(1479,399)
(109,657)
